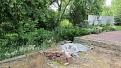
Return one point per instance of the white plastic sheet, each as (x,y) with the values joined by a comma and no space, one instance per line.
(73,48)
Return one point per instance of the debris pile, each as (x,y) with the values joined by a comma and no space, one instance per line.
(65,52)
(56,56)
(73,48)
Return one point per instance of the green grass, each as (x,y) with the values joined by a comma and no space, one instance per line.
(118,27)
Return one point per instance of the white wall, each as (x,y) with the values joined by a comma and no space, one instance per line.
(100,19)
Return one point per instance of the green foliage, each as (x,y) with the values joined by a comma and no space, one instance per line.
(95,29)
(109,27)
(94,7)
(14,44)
(118,27)
(63,9)
(12,52)
(80,9)
(117,19)
(12,40)
(107,11)
(28,24)
(14,11)
(70,33)
(38,37)
(116,8)
(65,23)
(21,19)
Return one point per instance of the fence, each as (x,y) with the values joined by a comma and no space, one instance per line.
(94,19)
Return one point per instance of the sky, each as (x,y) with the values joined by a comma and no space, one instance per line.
(54,6)
(108,2)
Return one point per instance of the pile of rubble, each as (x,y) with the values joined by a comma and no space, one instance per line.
(66,52)
(56,56)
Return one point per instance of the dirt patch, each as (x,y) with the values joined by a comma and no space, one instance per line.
(107,47)
(97,58)
(33,60)
(110,57)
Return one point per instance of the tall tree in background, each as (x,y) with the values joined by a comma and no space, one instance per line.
(82,8)
(116,8)
(78,11)
(63,6)
(106,11)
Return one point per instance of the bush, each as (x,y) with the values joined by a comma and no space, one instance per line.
(108,27)
(38,37)
(12,40)
(65,23)
(14,44)
(12,52)
(95,29)
(70,33)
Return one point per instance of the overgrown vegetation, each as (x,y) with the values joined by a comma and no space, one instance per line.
(70,33)
(116,8)
(28,25)
(95,29)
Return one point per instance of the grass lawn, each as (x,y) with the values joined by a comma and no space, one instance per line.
(118,27)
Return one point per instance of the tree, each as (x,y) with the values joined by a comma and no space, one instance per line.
(62,8)
(78,11)
(106,11)
(94,6)
(82,8)
(19,17)
(116,8)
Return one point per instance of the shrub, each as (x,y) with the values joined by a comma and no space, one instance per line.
(14,44)
(65,23)
(38,37)
(12,40)
(108,27)
(70,33)
(95,29)
(12,52)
